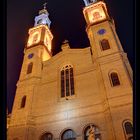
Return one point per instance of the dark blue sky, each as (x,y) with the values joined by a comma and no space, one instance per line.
(67,23)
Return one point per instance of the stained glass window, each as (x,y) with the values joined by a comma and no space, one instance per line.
(67,81)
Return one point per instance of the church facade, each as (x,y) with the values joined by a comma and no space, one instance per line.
(83,94)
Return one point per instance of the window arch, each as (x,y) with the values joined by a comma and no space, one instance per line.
(128,130)
(69,134)
(29,68)
(114,79)
(105,44)
(46,136)
(92,131)
(67,81)
(23,102)
(15,139)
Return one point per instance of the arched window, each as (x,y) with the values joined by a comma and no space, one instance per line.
(46,136)
(29,68)
(105,44)
(23,102)
(128,130)
(67,81)
(68,135)
(39,21)
(92,131)
(114,79)
(15,139)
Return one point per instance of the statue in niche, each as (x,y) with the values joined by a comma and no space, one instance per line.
(91,134)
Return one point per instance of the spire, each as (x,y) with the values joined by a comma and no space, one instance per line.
(43,10)
(43,18)
(88,2)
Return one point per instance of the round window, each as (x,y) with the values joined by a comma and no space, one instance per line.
(101,31)
(30,55)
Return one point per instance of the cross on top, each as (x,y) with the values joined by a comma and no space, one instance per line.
(45,5)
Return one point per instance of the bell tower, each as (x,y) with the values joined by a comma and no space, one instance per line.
(102,34)
(39,46)
(111,62)
(37,50)
(101,30)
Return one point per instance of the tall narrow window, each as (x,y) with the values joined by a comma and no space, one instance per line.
(114,79)
(67,81)
(71,81)
(128,130)
(23,102)
(105,44)
(29,69)
(62,84)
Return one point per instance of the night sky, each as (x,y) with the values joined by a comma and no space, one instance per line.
(67,23)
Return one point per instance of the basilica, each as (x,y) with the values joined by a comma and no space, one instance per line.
(77,94)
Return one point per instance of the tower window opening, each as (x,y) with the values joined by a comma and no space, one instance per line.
(23,102)
(67,81)
(105,44)
(128,130)
(114,79)
(29,68)
(39,21)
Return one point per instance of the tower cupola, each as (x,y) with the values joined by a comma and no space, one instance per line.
(88,2)
(43,17)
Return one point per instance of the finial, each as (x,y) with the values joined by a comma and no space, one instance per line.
(43,10)
(45,5)
(65,45)
(65,41)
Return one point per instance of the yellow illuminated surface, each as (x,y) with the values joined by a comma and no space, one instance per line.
(47,42)
(39,27)
(95,12)
(35,35)
(97,15)
(34,38)
(46,55)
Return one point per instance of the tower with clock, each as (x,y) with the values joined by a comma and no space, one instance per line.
(77,94)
